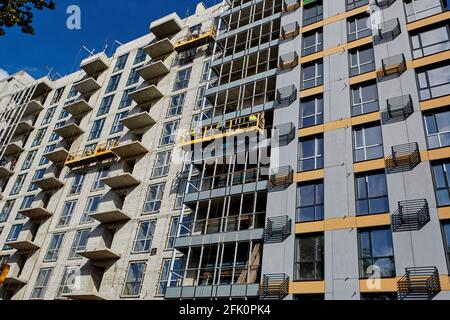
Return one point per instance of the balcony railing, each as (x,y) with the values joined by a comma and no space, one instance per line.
(198,184)
(254,122)
(393,66)
(284,134)
(220,275)
(277,229)
(290,31)
(384,3)
(387,31)
(281,178)
(404,157)
(411,215)
(398,109)
(287,95)
(289,60)
(97,153)
(274,286)
(419,283)
(235,223)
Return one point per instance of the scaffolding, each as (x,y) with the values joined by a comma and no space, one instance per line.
(99,152)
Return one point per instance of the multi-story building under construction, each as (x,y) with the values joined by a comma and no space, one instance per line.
(262,149)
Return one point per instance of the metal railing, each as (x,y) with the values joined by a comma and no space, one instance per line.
(281,178)
(387,31)
(99,150)
(196,39)
(419,283)
(274,286)
(250,221)
(404,157)
(398,109)
(411,215)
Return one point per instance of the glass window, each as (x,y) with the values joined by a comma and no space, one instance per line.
(172,233)
(176,105)
(141,55)
(54,247)
(362,60)
(113,83)
(121,62)
(352,4)
(29,160)
(310,153)
(39,137)
(6,210)
(77,183)
(48,149)
(126,100)
(182,79)
(13,235)
(144,237)
(364,98)
(27,202)
(434,82)
(91,207)
(312,74)
(312,42)
(162,164)
(165,272)
(64,114)
(72,93)
(154,197)
(38,175)
(200,98)
(311,111)
(205,71)
(446,228)
(371,193)
(310,201)
(169,134)
(441,175)
(68,281)
(18,184)
(57,95)
(376,253)
(135,277)
(41,283)
(438,129)
(368,143)
(309,262)
(105,105)
(54,136)
(133,77)
(97,128)
(312,12)
(101,173)
(418,9)
(358,27)
(79,243)
(117,125)
(430,41)
(48,115)
(67,213)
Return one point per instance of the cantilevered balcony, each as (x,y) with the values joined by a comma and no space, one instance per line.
(287,95)
(146,94)
(100,257)
(387,31)
(281,178)
(404,157)
(49,182)
(43,87)
(84,296)
(78,109)
(166,26)
(13,148)
(121,181)
(274,286)
(195,40)
(32,107)
(153,71)
(23,246)
(110,216)
(69,131)
(126,150)
(14,281)
(289,60)
(159,49)
(411,215)
(83,156)
(291,5)
(95,64)
(290,30)
(57,156)
(138,122)
(36,214)
(6,172)
(87,86)
(419,283)
(392,66)
(398,109)
(23,127)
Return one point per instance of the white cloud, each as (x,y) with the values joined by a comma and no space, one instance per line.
(3,74)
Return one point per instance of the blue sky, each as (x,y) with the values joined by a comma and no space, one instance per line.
(102,22)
